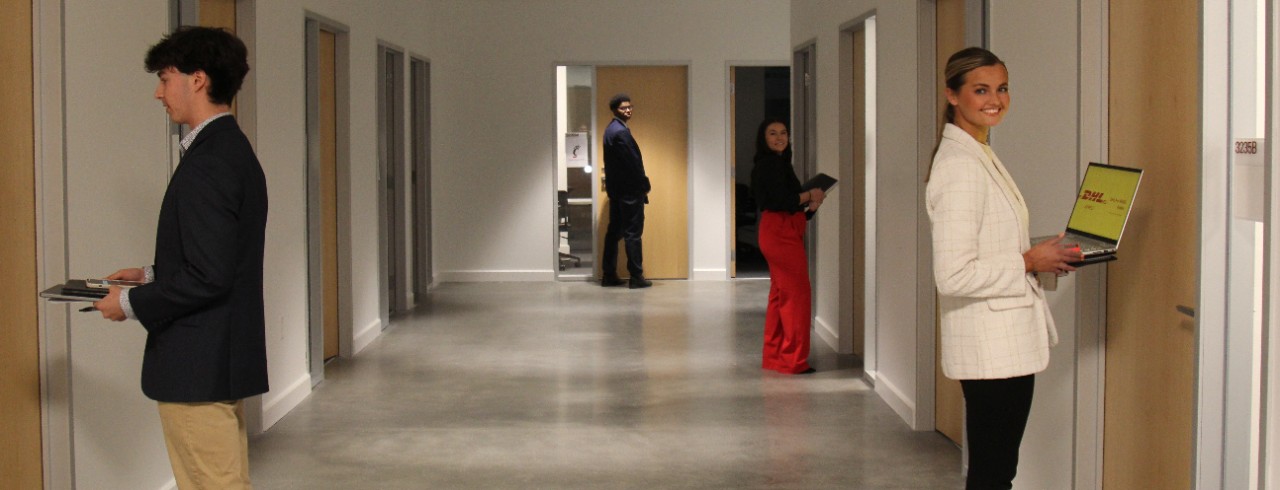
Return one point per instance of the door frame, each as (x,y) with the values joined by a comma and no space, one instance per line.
(1210,440)
(315,293)
(804,129)
(419,84)
(391,181)
(845,340)
(51,234)
(729,150)
(1269,448)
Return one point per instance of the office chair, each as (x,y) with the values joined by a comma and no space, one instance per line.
(562,204)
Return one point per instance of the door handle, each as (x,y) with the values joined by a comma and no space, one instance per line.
(1186,310)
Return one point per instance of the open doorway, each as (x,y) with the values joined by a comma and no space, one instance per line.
(758,92)
(580,197)
(575,201)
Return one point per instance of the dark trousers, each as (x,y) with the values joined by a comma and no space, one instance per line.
(626,223)
(996,413)
(787,319)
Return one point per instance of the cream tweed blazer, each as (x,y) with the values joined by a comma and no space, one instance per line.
(995,321)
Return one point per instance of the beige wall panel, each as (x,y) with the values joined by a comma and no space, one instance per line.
(660,125)
(20,454)
(948,397)
(1150,375)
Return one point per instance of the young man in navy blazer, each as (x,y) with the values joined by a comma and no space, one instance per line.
(628,189)
(202,300)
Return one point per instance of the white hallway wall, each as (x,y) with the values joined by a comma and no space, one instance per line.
(494,113)
(1039,141)
(493,108)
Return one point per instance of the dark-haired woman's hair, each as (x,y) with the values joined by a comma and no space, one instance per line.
(220,54)
(762,145)
(959,66)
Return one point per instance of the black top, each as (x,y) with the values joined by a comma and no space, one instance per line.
(203,313)
(623,165)
(775,185)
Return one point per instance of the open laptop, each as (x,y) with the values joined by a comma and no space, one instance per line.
(1101,211)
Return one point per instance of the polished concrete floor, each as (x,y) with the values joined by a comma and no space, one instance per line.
(574,386)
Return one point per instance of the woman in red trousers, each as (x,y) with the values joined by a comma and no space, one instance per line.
(782,225)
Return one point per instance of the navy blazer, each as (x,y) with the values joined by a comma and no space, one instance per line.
(623,165)
(204,310)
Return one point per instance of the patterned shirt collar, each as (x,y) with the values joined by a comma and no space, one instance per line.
(191,137)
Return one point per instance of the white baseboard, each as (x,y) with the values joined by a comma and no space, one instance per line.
(709,275)
(277,403)
(827,333)
(498,276)
(366,336)
(897,400)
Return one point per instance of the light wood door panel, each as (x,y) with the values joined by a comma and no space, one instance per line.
(329,190)
(20,453)
(948,403)
(1150,348)
(219,13)
(660,125)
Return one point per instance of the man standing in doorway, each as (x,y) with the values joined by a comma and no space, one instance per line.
(201,301)
(628,191)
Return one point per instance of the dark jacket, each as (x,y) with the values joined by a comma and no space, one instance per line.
(774,183)
(204,310)
(623,165)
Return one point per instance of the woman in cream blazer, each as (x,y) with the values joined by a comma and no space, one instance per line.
(996,325)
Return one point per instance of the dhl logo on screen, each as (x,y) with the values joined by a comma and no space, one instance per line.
(1104,202)
(1101,198)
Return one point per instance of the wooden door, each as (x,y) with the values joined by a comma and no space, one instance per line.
(329,190)
(1150,347)
(948,401)
(660,125)
(20,453)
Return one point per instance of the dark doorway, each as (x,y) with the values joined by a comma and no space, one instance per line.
(758,92)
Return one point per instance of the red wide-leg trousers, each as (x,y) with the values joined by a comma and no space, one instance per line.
(786,321)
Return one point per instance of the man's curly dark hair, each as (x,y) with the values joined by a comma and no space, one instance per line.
(617,100)
(216,52)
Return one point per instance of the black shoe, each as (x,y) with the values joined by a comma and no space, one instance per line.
(639,282)
(610,281)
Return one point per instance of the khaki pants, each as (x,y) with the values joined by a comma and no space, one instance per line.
(208,446)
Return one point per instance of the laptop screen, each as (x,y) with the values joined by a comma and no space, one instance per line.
(1104,200)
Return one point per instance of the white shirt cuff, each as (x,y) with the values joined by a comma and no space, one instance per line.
(149,274)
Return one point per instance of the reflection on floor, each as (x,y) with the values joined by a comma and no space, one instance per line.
(572,386)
